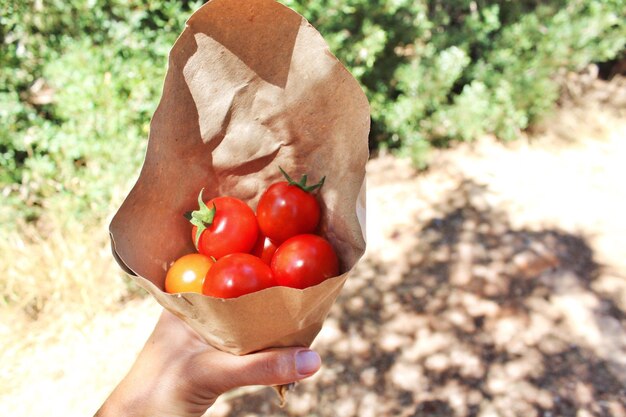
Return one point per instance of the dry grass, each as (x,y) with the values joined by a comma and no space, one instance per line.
(52,289)
(55,282)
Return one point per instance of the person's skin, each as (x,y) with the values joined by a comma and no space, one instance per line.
(178,375)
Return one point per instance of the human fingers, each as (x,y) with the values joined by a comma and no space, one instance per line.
(219,372)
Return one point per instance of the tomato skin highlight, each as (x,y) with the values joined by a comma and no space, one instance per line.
(303,261)
(264,248)
(234,228)
(237,274)
(187,273)
(285,210)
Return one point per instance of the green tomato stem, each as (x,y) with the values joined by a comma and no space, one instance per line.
(302,183)
(201,218)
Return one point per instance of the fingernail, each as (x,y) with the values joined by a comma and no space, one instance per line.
(307,362)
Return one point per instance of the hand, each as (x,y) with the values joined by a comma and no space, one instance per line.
(178,375)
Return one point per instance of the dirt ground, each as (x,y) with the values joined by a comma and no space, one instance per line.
(494,284)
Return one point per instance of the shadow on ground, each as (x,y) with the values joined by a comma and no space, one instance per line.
(473,318)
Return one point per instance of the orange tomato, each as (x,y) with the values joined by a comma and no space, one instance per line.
(187,273)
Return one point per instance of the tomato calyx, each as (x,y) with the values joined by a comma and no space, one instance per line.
(201,218)
(302,183)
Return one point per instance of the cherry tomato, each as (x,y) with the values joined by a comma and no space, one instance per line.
(303,261)
(187,273)
(287,209)
(237,274)
(264,248)
(227,225)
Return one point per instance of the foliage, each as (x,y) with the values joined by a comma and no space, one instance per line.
(436,71)
(80,79)
(79,82)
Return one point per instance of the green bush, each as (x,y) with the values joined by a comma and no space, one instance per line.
(452,70)
(104,62)
(434,71)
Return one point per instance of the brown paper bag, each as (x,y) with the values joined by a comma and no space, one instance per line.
(250,86)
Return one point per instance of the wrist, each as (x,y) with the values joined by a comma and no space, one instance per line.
(125,401)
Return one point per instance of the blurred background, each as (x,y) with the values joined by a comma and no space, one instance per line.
(497,287)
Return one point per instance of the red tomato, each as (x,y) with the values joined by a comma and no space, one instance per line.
(227,225)
(304,261)
(264,248)
(237,274)
(187,273)
(287,209)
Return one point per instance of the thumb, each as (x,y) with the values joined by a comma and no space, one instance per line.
(225,371)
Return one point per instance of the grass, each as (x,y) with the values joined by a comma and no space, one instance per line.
(70,269)
(53,284)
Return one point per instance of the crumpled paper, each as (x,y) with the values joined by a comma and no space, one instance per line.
(250,86)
